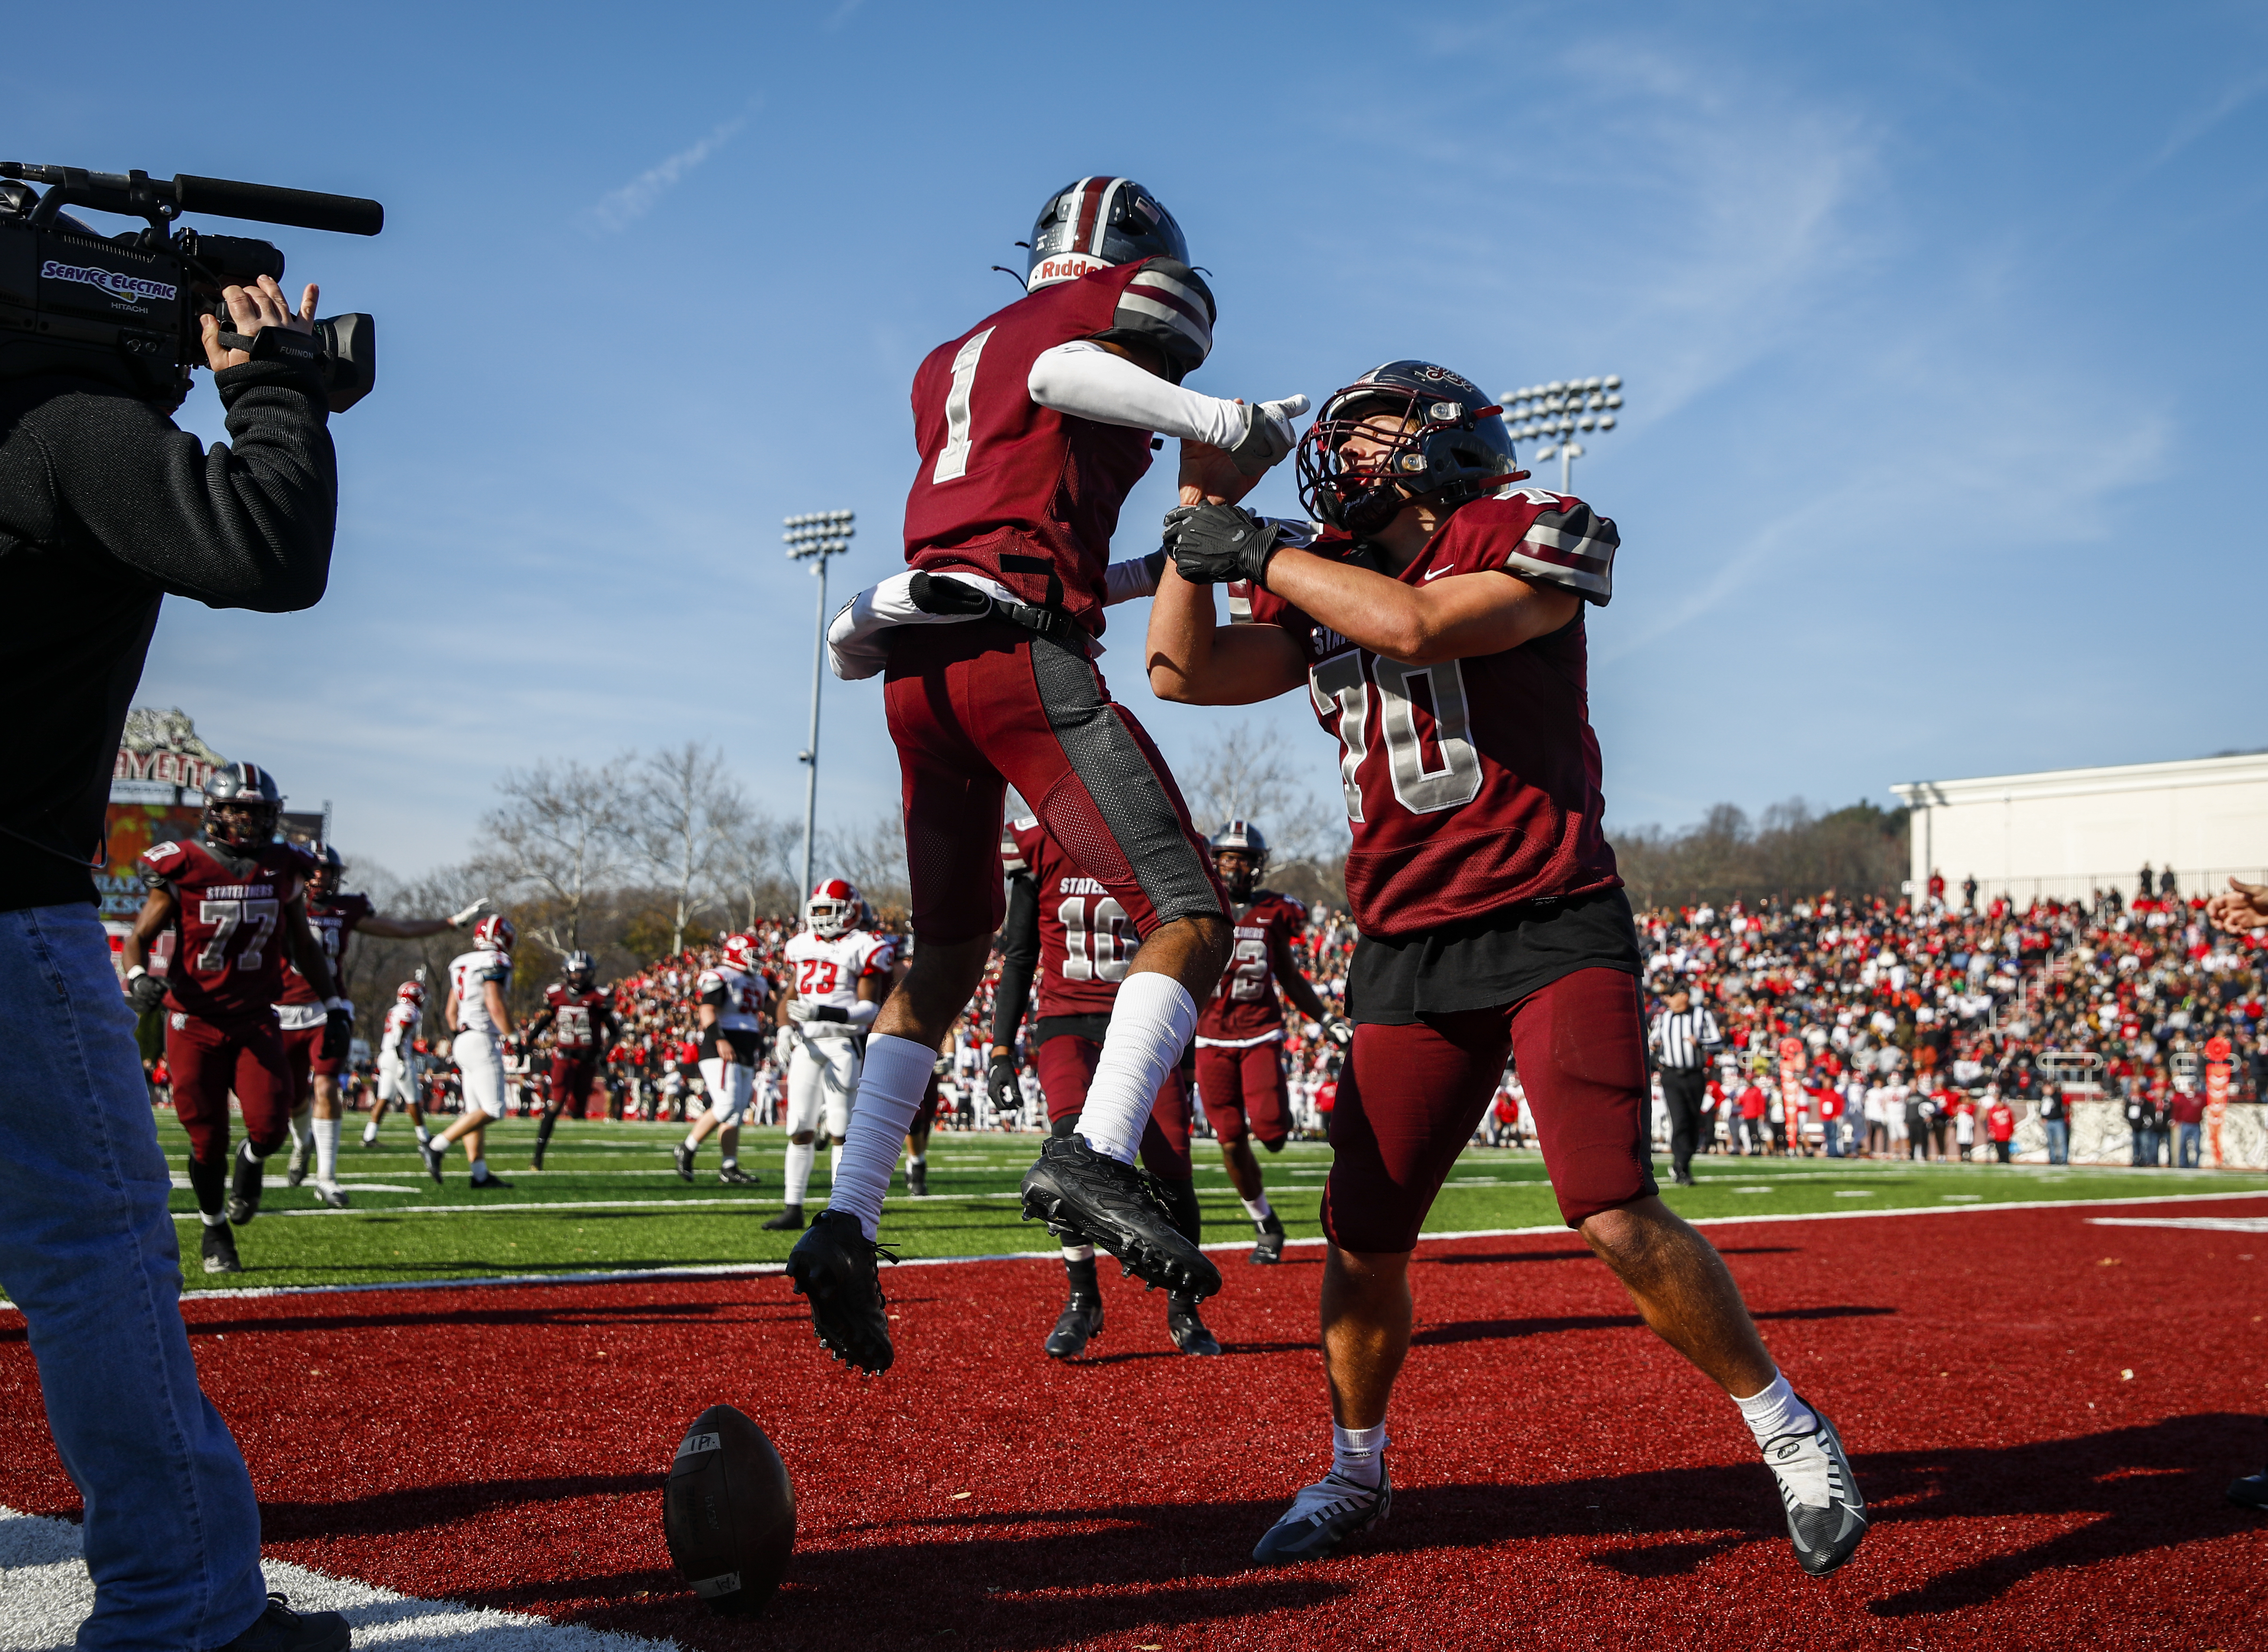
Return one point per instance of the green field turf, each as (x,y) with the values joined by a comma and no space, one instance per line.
(611,1199)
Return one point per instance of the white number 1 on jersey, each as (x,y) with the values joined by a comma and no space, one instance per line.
(953,459)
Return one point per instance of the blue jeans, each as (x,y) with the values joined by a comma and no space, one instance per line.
(2189,1145)
(2059,1141)
(87,1252)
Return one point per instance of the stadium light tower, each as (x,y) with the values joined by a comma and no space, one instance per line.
(1557,410)
(815,535)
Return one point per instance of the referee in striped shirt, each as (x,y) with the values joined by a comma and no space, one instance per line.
(1682,1040)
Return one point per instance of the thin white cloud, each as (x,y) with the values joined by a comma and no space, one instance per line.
(618,209)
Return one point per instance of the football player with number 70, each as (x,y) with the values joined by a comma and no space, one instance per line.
(1437,627)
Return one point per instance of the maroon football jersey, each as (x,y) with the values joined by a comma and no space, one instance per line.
(1473,784)
(228,951)
(1004,480)
(1246,1006)
(576,1017)
(1086,941)
(332,920)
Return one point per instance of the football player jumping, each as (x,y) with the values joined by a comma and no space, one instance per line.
(1032,427)
(236,901)
(479,1022)
(838,975)
(398,1061)
(1063,927)
(334,914)
(1241,1034)
(731,1013)
(1437,626)
(579,1015)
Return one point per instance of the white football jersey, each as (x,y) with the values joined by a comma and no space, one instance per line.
(744,996)
(467,975)
(401,1023)
(828,972)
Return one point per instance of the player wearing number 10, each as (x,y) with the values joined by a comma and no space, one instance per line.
(1033,426)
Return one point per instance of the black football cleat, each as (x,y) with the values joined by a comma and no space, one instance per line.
(734,1175)
(483,1183)
(1826,1516)
(2251,1492)
(684,1154)
(1324,1516)
(1079,1323)
(220,1251)
(244,1192)
(788,1220)
(832,1266)
(434,1157)
(1093,1198)
(280,1629)
(1268,1251)
(333,1197)
(917,1181)
(303,1148)
(1186,1328)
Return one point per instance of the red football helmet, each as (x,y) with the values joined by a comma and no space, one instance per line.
(411,992)
(740,953)
(833,908)
(495,931)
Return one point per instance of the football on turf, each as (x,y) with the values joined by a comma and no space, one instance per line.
(728,1512)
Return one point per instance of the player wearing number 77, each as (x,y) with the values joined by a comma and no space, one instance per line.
(1438,627)
(1032,427)
(235,899)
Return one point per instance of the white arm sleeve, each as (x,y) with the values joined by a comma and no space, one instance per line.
(1086,381)
(1136,576)
(862,1013)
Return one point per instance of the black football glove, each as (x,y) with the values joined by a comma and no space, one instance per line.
(338,1032)
(1340,1030)
(145,992)
(1213,544)
(1000,1084)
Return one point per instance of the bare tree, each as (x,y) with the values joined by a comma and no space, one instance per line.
(873,857)
(1860,850)
(558,838)
(1241,774)
(755,874)
(683,816)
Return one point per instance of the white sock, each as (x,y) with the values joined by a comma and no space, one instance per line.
(1150,1027)
(1776,1412)
(1079,1253)
(730,1160)
(218,1219)
(479,1169)
(369,1131)
(835,1162)
(916,1162)
(1258,1209)
(301,1119)
(424,1136)
(1359,1454)
(890,1089)
(799,1155)
(326,1152)
(693,1143)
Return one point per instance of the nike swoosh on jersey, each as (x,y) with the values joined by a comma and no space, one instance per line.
(1434,574)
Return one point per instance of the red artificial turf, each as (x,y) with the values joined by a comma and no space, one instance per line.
(1563,1479)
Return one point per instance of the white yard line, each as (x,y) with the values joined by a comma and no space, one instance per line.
(45,1594)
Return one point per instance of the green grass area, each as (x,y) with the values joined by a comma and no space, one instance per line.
(610,1198)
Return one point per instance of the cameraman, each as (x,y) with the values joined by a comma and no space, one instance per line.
(105,507)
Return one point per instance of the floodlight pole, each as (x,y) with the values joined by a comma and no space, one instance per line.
(1558,409)
(815,535)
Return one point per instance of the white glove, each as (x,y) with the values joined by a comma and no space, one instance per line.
(458,920)
(1268,434)
(799,1010)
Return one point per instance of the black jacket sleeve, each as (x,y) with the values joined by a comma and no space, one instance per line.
(1019,958)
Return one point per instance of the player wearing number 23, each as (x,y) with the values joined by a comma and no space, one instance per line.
(235,899)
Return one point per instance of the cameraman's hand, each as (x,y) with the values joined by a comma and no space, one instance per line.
(250,309)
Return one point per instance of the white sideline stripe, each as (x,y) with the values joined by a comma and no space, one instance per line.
(45,1594)
(2216,1224)
(727,1270)
(555,1204)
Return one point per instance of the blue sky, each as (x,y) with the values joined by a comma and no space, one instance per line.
(1941,326)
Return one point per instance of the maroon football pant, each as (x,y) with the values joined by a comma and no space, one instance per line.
(571,1085)
(301,1045)
(1066,1065)
(1245,1086)
(979,707)
(207,1062)
(1411,1097)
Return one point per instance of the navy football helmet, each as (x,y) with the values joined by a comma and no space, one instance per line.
(1095,223)
(241,806)
(1441,437)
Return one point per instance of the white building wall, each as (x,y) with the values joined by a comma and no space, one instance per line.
(2070,831)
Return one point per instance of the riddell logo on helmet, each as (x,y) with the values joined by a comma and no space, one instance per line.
(1064,267)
